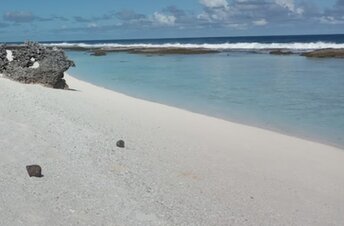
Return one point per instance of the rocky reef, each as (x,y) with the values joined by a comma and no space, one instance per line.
(34,63)
(101,51)
(98,52)
(325,53)
(280,52)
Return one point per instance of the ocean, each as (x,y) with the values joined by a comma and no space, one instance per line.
(291,94)
(301,42)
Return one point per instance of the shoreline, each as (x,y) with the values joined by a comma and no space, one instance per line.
(304,136)
(178,167)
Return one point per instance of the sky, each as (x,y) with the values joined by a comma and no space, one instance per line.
(63,20)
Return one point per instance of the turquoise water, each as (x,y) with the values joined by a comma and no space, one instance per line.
(291,94)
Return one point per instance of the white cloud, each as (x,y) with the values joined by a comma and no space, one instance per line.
(92,25)
(19,17)
(163,19)
(215,3)
(331,20)
(261,22)
(290,5)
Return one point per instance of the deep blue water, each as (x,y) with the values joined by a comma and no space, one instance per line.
(336,38)
(291,94)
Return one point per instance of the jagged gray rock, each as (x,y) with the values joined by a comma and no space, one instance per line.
(3,59)
(34,63)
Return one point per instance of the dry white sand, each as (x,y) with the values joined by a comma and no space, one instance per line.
(179,168)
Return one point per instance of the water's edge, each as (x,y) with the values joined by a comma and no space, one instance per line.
(241,122)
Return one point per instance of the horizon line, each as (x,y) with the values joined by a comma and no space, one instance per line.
(205,37)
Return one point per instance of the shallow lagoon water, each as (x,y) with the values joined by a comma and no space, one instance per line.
(290,94)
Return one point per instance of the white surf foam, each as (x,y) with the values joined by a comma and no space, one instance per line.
(224,46)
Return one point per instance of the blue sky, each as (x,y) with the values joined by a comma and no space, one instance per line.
(121,19)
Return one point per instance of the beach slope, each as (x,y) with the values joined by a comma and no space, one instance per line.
(178,167)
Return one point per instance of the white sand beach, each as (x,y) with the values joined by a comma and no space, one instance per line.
(178,167)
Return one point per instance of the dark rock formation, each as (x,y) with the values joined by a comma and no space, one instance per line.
(172,51)
(34,63)
(120,144)
(280,52)
(34,171)
(325,53)
(142,50)
(98,52)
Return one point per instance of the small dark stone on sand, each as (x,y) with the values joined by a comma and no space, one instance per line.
(120,144)
(34,171)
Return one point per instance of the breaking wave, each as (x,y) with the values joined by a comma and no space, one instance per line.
(223,46)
